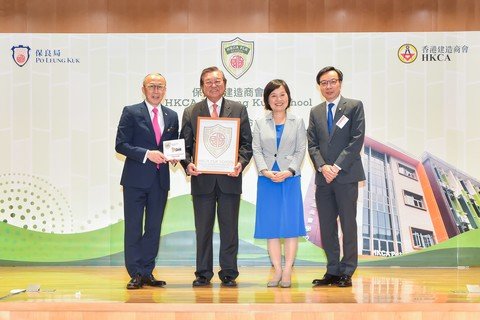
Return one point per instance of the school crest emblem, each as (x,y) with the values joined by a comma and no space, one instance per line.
(237,56)
(217,139)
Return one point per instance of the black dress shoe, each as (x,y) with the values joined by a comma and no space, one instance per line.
(327,280)
(151,281)
(201,282)
(135,283)
(228,282)
(345,281)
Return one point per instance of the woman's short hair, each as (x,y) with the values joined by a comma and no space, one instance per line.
(270,87)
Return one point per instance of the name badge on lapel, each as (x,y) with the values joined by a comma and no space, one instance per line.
(342,121)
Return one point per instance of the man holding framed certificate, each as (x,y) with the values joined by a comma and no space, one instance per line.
(218,146)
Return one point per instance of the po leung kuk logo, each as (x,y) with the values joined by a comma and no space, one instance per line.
(20,54)
(237,56)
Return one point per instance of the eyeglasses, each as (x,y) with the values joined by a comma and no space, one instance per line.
(331,82)
(159,87)
(216,82)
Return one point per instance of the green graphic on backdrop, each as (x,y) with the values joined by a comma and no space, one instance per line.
(26,246)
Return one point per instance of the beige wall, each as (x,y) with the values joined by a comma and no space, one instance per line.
(196,16)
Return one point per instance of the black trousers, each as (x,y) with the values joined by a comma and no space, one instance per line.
(143,239)
(226,206)
(336,200)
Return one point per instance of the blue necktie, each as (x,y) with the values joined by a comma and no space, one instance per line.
(330,118)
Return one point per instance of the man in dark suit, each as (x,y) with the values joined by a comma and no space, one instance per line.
(335,138)
(216,192)
(146,177)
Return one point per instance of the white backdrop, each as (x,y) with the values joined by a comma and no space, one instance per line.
(60,110)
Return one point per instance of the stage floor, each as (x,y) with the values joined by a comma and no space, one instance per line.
(388,291)
(370,285)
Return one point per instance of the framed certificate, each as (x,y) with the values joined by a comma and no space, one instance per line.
(216,148)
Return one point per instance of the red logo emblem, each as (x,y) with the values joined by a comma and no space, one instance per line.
(20,54)
(237,62)
(407,53)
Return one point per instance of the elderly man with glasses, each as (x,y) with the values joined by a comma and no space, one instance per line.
(216,193)
(146,177)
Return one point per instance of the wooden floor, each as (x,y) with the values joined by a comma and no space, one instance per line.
(377,293)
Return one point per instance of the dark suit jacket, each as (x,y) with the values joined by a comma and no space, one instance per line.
(135,136)
(205,183)
(343,147)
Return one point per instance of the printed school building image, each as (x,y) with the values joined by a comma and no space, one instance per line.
(405,204)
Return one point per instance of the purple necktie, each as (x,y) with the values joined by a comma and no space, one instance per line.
(156,126)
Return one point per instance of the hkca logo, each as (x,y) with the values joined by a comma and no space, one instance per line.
(20,54)
(407,53)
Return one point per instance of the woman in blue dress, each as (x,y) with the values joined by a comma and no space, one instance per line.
(279,144)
